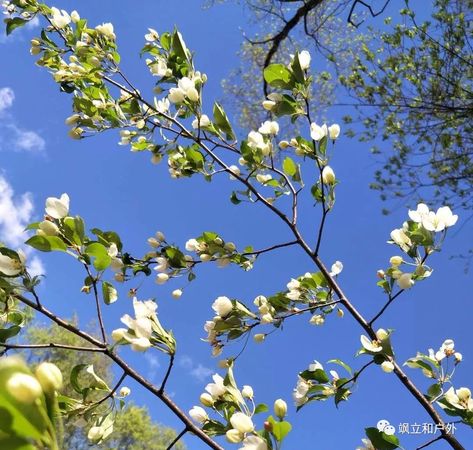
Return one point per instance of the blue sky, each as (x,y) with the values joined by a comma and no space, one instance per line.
(114,189)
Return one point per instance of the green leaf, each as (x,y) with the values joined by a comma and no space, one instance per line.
(279,76)
(15,443)
(221,121)
(262,407)
(14,23)
(100,254)
(46,243)
(380,440)
(110,294)
(179,46)
(279,429)
(342,364)
(74,229)
(289,166)
(7,333)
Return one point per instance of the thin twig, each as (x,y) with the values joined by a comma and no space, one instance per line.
(177,439)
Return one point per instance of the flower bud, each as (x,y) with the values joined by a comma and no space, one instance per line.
(334,131)
(317,319)
(258,338)
(405,281)
(177,293)
(380,274)
(222,306)
(340,312)
(205,257)
(125,391)
(153,242)
(24,388)
(49,228)
(75,16)
(234,436)
(283,145)
(395,261)
(95,434)
(382,334)
(49,376)
(198,414)
(119,334)
(464,394)
(161,278)
(268,426)
(458,357)
(280,408)
(268,105)
(247,392)
(387,366)
(328,175)
(206,399)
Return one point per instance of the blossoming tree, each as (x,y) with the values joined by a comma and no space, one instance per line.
(176,124)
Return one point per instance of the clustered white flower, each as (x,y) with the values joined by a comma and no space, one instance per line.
(431,221)
(242,428)
(143,330)
(446,350)
(219,251)
(185,90)
(265,309)
(317,132)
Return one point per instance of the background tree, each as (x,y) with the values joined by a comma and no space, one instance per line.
(410,81)
(133,428)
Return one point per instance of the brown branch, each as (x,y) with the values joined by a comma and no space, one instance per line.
(284,33)
(51,345)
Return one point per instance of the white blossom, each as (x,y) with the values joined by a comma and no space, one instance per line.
(217,388)
(247,392)
(460,398)
(254,442)
(318,132)
(405,281)
(328,175)
(371,346)
(203,122)
(336,269)
(334,131)
(198,414)
(222,306)
(23,387)
(12,266)
(299,394)
(106,29)
(242,422)
(304,59)
(60,19)
(152,35)
(269,127)
(57,208)
(400,238)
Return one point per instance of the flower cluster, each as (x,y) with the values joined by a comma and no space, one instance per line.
(145,330)
(309,293)
(237,408)
(380,348)
(314,384)
(436,364)
(416,234)
(211,247)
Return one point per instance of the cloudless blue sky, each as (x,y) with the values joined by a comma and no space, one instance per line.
(114,189)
